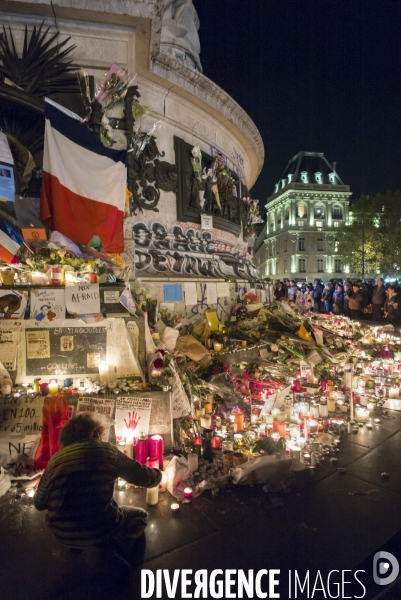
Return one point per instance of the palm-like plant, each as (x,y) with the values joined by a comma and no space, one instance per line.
(42,68)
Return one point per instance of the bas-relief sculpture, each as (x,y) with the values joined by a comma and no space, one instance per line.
(179,35)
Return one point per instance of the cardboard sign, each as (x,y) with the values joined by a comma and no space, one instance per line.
(82,299)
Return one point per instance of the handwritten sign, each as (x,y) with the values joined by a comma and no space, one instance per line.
(223,290)
(132,418)
(179,400)
(47,305)
(207,222)
(20,431)
(82,299)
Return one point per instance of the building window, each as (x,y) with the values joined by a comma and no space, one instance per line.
(320,244)
(287,214)
(319,211)
(301,223)
(337,265)
(336,224)
(285,265)
(320,265)
(279,219)
(319,224)
(285,245)
(301,211)
(301,244)
(301,265)
(337,212)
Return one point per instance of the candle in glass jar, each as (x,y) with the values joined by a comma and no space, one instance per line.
(156,447)
(217,347)
(331,404)
(323,410)
(53,386)
(188,493)
(361,414)
(103,372)
(239,420)
(393,392)
(142,450)
(208,406)
(313,425)
(215,442)
(206,421)
(280,427)
(152,462)
(38,278)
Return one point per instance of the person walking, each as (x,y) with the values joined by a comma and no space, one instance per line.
(378,300)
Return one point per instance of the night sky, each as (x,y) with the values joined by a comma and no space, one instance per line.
(313,75)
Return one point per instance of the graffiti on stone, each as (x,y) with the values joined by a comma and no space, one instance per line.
(187,252)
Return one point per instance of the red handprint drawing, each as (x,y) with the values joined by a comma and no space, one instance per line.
(132,420)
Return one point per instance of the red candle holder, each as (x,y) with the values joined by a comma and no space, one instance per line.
(156,447)
(152,462)
(188,493)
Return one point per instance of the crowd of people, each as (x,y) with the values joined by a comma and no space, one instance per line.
(358,299)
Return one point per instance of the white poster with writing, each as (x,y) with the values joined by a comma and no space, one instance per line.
(125,358)
(223,290)
(10,337)
(101,409)
(82,299)
(20,431)
(47,305)
(132,418)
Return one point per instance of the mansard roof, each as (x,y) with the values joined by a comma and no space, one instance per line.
(309,168)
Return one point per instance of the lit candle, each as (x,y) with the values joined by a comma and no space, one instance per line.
(361,414)
(301,442)
(217,347)
(188,493)
(103,372)
(156,447)
(122,484)
(393,392)
(239,421)
(206,421)
(175,507)
(53,386)
(38,278)
(30,492)
(331,404)
(280,427)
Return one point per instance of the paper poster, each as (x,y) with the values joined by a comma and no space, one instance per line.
(20,431)
(269,403)
(82,299)
(207,222)
(179,400)
(211,293)
(47,305)
(111,297)
(5,152)
(7,184)
(10,332)
(101,409)
(67,343)
(172,292)
(263,296)
(170,306)
(191,295)
(304,368)
(133,332)
(37,344)
(13,304)
(125,358)
(223,290)
(132,418)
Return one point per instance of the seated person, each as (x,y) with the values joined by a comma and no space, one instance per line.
(77,489)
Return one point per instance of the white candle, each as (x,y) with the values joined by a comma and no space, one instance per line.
(206,421)
(306,428)
(301,442)
(331,404)
(152,495)
(361,414)
(393,392)
(38,278)
(103,372)
(192,462)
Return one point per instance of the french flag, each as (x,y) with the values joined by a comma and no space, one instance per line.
(8,248)
(83,184)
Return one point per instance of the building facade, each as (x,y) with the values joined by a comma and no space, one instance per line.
(306,209)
